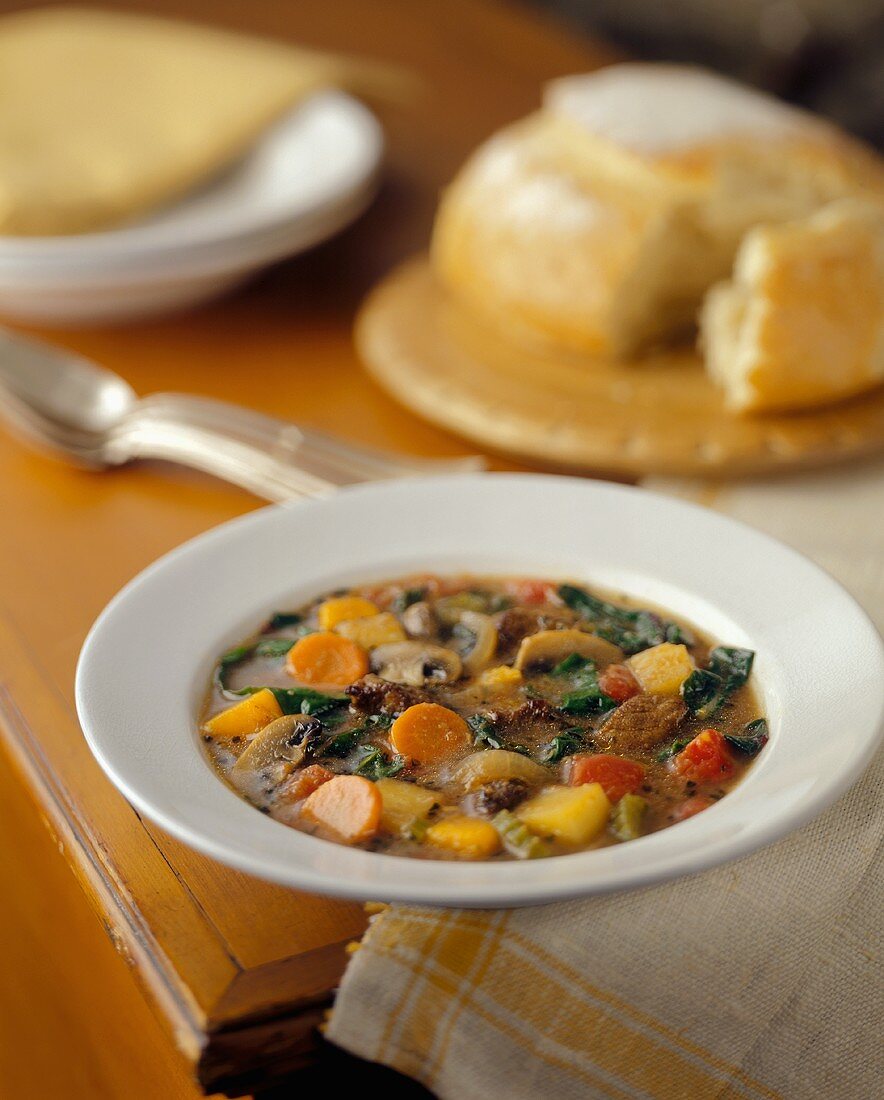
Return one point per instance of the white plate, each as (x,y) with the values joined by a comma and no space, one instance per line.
(819,666)
(307,177)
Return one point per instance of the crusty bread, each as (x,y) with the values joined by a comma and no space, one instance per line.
(598,223)
(802,321)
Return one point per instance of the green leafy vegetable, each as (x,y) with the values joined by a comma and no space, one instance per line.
(564,744)
(484,732)
(671,750)
(518,838)
(706,689)
(632,630)
(752,739)
(342,744)
(234,656)
(586,697)
(374,763)
(281,619)
(274,647)
(407,598)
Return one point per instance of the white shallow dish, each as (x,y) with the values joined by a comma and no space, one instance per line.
(819,666)
(305,179)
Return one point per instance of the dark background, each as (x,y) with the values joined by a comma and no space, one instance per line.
(827,55)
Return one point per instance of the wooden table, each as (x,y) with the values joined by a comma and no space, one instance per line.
(192,970)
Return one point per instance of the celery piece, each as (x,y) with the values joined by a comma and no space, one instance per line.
(518,838)
(626,820)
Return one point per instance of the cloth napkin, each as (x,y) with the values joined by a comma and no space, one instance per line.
(759,979)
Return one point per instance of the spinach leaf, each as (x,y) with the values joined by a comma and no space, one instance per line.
(282,618)
(752,739)
(632,630)
(407,598)
(373,763)
(706,689)
(234,656)
(564,744)
(273,647)
(586,697)
(484,732)
(344,743)
(306,701)
(671,750)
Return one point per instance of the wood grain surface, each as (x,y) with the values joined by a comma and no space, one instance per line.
(658,415)
(237,972)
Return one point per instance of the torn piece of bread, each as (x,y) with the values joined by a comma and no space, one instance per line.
(105,116)
(802,321)
(598,223)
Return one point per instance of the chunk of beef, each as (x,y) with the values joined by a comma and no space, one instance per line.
(641,722)
(373,695)
(517,623)
(499,794)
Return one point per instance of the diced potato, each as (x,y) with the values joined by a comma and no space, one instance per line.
(372,630)
(341,608)
(489,764)
(403,803)
(575,815)
(249,716)
(467,836)
(662,669)
(502,676)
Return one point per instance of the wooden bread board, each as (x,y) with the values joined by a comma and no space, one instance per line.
(660,415)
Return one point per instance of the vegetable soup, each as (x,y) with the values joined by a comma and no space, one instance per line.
(474,717)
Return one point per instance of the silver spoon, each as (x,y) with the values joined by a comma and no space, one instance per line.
(92,417)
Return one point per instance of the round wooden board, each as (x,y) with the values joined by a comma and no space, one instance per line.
(659,415)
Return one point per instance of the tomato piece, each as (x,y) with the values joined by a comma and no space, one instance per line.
(302,783)
(616,775)
(618,683)
(528,591)
(705,759)
(692,806)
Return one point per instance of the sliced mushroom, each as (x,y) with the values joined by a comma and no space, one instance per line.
(282,741)
(548,647)
(489,765)
(419,620)
(484,634)
(416,663)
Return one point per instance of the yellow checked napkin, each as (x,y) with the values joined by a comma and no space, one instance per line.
(761,979)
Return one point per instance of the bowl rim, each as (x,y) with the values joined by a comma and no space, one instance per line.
(782,791)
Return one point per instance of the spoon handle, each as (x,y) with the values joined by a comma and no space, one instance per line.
(268,456)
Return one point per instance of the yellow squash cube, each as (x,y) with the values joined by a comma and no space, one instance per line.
(340,608)
(575,815)
(466,836)
(372,630)
(662,669)
(502,676)
(249,716)
(403,803)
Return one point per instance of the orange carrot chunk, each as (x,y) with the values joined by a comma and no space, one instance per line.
(692,806)
(706,759)
(348,806)
(304,782)
(326,659)
(616,775)
(618,683)
(429,733)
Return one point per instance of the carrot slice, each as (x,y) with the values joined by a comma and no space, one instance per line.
(327,659)
(429,733)
(348,805)
(303,782)
(616,775)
